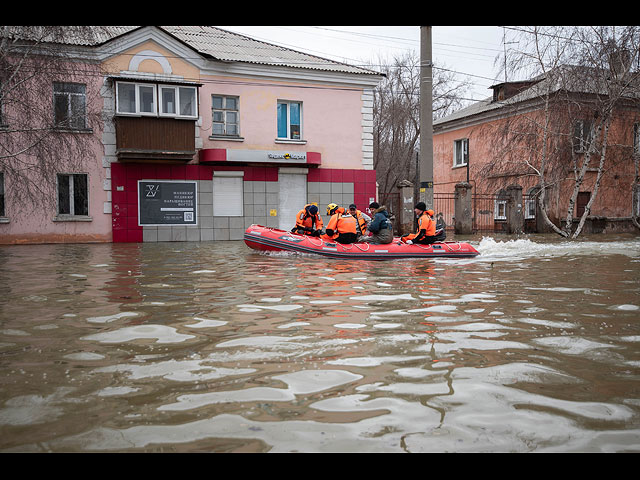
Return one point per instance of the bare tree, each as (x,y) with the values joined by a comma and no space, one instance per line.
(560,127)
(43,125)
(397,117)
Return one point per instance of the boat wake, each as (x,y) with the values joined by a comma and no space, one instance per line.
(497,250)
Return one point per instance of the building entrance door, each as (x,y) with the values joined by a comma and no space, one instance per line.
(293,195)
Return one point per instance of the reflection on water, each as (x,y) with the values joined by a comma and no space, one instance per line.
(532,346)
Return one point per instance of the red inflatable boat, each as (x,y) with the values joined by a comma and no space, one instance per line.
(272,239)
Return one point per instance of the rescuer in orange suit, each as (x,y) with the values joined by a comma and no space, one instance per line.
(308,222)
(426,232)
(342,227)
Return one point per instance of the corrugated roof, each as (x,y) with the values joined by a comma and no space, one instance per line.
(232,47)
(216,43)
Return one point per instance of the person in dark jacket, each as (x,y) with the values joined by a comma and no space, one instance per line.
(380,227)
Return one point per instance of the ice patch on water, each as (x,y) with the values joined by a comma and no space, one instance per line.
(350,325)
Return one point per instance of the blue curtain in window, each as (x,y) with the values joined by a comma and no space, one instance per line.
(282,120)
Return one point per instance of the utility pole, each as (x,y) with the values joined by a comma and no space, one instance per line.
(425,192)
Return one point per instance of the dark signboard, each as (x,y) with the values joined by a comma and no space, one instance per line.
(167,202)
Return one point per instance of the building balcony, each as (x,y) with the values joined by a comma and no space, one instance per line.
(154,139)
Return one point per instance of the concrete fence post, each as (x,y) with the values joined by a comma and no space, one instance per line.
(515,211)
(463,211)
(404,219)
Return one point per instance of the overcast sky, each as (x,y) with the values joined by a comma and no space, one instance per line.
(469,50)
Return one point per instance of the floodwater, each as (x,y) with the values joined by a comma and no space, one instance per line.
(211,347)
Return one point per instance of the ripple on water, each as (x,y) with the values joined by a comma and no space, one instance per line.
(159,333)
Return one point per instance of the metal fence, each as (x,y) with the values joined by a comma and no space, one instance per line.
(488,210)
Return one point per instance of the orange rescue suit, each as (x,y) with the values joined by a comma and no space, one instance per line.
(341,227)
(426,228)
(305,220)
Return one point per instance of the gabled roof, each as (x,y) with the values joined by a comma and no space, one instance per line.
(217,44)
(567,78)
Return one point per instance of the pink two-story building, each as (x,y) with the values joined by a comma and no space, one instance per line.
(205,132)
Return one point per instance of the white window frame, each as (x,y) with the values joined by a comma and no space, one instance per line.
(137,87)
(529,204)
(157,109)
(228,194)
(177,92)
(288,104)
(457,145)
(224,110)
(500,205)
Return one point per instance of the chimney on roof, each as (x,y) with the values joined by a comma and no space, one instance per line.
(619,60)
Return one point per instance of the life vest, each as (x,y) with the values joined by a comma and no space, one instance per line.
(305,220)
(361,223)
(426,228)
(341,223)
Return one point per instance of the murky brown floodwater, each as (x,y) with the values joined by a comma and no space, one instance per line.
(532,346)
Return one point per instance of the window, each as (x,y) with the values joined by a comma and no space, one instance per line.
(636,138)
(500,205)
(461,152)
(530,203)
(177,101)
(500,212)
(73,196)
(69,105)
(289,120)
(138,99)
(142,99)
(226,117)
(582,136)
(228,194)
(530,207)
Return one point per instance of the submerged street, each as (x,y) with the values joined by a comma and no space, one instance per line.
(212,347)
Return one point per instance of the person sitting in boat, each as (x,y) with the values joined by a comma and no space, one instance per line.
(426,233)
(342,227)
(380,227)
(362,220)
(308,221)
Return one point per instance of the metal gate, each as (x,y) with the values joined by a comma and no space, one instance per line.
(487,216)
(444,206)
